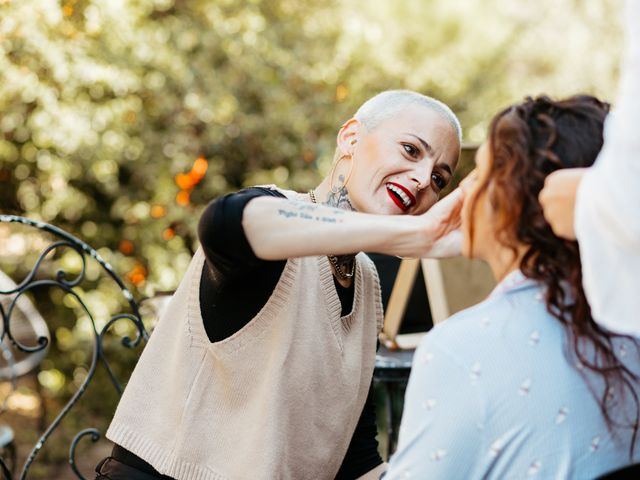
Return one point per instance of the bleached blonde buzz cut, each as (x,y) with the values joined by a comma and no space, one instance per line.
(388,103)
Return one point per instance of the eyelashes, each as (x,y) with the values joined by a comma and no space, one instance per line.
(414,152)
(411,150)
(439,181)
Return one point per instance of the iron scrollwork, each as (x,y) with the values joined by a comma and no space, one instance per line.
(68,284)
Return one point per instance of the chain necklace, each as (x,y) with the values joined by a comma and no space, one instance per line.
(336,261)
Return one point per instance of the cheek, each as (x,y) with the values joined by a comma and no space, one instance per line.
(370,155)
(366,162)
(476,221)
(466,227)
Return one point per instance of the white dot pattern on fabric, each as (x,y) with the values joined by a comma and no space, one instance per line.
(534,338)
(429,404)
(534,468)
(496,448)
(501,393)
(610,397)
(474,374)
(525,387)
(623,350)
(438,454)
(562,415)
(538,297)
(426,358)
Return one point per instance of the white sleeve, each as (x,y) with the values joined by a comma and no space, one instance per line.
(439,435)
(607,221)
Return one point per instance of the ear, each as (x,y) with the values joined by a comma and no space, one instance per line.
(348,136)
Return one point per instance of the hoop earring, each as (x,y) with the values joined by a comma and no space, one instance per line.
(333,171)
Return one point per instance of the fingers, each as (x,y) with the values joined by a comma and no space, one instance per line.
(449,245)
(557,199)
(551,183)
(450,205)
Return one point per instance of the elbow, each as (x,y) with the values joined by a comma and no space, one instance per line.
(260,242)
(262,251)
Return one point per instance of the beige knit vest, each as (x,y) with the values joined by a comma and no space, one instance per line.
(279,399)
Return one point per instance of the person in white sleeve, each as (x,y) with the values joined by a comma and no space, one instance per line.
(598,206)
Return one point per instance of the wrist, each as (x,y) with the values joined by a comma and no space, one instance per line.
(411,236)
(429,230)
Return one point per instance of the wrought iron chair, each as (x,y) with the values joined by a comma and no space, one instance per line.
(13,307)
(28,326)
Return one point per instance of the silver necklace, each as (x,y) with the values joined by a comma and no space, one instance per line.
(343,260)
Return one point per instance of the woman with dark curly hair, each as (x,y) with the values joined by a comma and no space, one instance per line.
(524,384)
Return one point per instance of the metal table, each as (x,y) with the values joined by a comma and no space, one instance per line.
(392,373)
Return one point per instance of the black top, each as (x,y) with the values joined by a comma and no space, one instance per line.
(237,291)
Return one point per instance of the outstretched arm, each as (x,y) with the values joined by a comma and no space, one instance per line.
(609,193)
(607,224)
(279,228)
(604,198)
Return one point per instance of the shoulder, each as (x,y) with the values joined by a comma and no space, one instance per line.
(271,190)
(478,332)
(263,191)
(232,204)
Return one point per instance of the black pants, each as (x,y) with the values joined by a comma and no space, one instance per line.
(124,465)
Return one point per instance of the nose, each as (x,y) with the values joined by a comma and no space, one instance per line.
(422,176)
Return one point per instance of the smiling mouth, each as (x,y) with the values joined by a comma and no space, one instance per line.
(402,197)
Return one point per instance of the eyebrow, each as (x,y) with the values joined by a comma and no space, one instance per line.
(426,146)
(429,150)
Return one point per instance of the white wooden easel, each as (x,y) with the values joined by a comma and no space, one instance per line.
(399,298)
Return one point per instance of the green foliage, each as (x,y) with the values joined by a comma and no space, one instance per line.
(121,119)
(105,104)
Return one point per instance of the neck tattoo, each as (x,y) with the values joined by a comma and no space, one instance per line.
(340,199)
(344,265)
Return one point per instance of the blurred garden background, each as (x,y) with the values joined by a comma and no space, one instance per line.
(121,119)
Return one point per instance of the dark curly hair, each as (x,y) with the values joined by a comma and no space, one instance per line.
(527,142)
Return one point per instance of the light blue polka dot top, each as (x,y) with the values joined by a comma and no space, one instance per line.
(495,393)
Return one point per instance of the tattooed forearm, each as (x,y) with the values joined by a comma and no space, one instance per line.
(340,199)
(312,208)
(289,213)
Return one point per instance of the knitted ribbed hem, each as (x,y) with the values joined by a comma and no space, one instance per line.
(159,458)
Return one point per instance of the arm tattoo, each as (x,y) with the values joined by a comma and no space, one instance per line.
(306,211)
(292,213)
